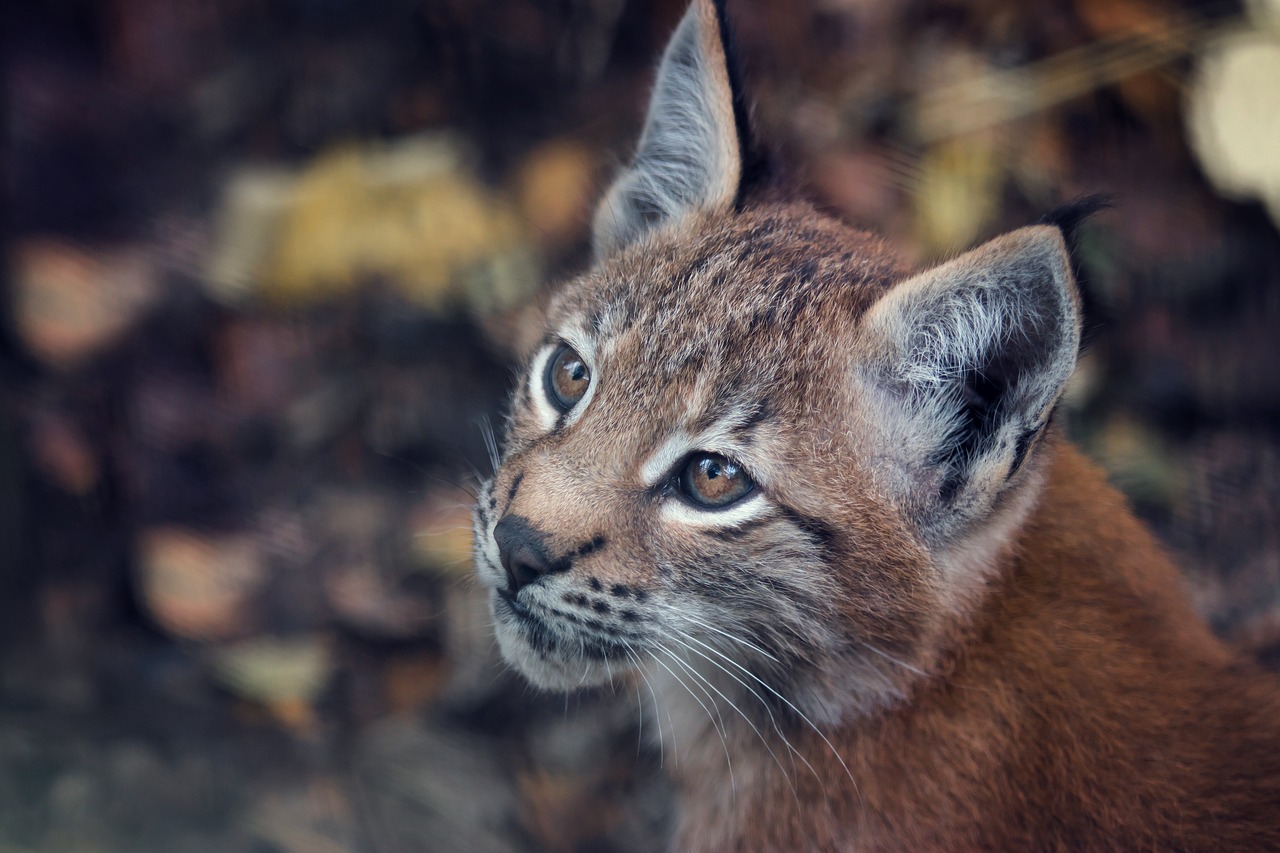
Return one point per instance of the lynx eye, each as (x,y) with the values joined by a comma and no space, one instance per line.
(567,378)
(709,480)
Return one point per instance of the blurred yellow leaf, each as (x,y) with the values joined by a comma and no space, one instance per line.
(410,212)
(958,191)
(278,672)
(442,531)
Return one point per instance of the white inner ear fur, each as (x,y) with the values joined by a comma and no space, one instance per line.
(1007,310)
(688,158)
(950,318)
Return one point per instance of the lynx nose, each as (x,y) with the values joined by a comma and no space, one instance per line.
(523,552)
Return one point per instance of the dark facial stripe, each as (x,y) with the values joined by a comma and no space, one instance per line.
(588,548)
(1026,442)
(599,640)
(759,602)
(822,533)
(1020,448)
(511,492)
(760,412)
(727,398)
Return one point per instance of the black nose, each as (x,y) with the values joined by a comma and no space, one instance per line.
(522,549)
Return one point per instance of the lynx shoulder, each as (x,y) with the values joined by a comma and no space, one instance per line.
(817,503)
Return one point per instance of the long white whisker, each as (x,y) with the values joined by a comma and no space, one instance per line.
(728,636)
(490,443)
(639,703)
(908,667)
(658,710)
(685,666)
(582,656)
(723,742)
(785,700)
(741,713)
(773,720)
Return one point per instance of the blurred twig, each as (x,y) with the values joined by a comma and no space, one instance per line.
(1002,95)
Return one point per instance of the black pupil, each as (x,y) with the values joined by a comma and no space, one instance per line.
(711,468)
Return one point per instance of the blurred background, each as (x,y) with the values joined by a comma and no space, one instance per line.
(265,265)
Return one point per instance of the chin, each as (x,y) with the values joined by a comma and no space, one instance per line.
(537,650)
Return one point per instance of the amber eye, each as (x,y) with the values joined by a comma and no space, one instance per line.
(711,481)
(567,378)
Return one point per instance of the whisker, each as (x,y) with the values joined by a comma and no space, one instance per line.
(480,478)
(723,742)
(657,711)
(741,713)
(657,717)
(582,656)
(727,636)
(430,474)
(908,667)
(490,443)
(430,534)
(466,487)
(783,699)
(685,666)
(795,752)
(639,704)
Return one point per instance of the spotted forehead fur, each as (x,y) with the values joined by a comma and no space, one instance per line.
(736,301)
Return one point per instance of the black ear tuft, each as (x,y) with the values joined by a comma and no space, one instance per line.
(1068,218)
(756,165)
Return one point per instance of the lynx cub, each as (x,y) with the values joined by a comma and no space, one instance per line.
(817,503)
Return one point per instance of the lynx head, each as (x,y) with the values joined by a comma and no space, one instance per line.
(750,440)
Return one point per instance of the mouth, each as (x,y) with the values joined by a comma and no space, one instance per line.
(508,598)
(550,650)
(534,630)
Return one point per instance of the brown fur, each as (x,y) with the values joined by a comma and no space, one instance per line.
(932,625)
(1088,708)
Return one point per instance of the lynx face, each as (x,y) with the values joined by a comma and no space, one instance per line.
(679,477)
(752,453)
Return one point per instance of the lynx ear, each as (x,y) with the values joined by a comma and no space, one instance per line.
(690,155)
(978,349)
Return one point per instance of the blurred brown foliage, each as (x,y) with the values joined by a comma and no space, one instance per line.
(265,270)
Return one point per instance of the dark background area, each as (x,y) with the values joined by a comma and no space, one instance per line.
(265,269)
